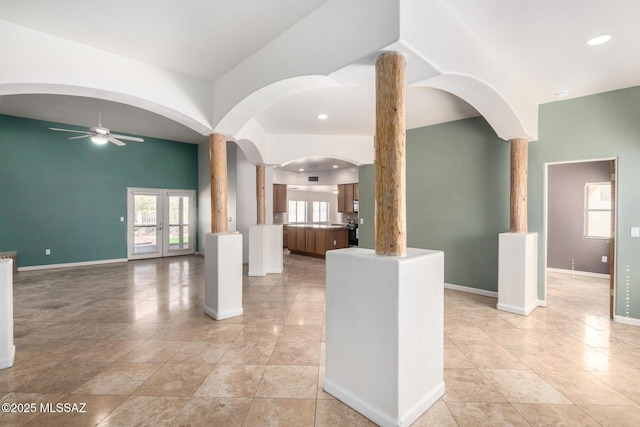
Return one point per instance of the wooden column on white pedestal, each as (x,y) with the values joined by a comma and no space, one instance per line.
(223,250)
(390,151)
(518,249)
(218,153)
(260,195)
(384,308)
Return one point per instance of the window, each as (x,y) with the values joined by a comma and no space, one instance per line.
(297,211)
(597,216)
(320,211)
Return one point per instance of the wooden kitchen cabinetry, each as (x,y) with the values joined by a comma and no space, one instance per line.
(279,197)
(316,240)
(347,193)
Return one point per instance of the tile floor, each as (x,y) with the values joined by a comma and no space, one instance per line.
(131,342)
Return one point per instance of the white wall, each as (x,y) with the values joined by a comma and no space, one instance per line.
(246,204)
(204,194)
(332,177)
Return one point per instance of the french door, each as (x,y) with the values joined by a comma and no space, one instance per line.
(160,222)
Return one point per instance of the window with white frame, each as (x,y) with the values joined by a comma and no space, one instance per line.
(597,211)
(297,211)
(320,211)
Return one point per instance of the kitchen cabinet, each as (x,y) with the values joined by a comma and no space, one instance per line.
(279,197)
(292,238)
(347,193)
(316,240)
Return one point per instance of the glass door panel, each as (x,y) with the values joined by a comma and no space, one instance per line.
(144,223)
(179,238)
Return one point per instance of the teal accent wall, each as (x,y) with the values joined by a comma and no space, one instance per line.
(595,127)
(69,195)
(457,198)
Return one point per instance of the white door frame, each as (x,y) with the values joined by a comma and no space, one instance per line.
(545,220)
(162,221)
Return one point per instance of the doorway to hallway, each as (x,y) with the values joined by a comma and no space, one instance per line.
(580,219)
(160,222)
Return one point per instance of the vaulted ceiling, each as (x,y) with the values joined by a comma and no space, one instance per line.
(244,63)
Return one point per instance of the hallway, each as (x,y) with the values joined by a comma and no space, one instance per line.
(131,341)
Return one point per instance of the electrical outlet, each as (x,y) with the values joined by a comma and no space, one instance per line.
(47,251)
(604,258)
(121,219)
(635,231)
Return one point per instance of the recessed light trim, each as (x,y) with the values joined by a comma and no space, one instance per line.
(323,116)
(598,40)
(562,93)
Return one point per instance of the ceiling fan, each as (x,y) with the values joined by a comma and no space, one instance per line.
(100,135)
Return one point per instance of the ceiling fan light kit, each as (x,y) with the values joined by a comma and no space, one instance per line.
(100,135)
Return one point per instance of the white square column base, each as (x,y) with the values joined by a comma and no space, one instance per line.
(223,275)
(265,250)
(7,349)
(518,272)
(385,332)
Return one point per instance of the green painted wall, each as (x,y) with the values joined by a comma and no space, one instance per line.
(69,195)
(457,198)
(595,127)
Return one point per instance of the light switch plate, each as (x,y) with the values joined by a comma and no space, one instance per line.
(361,220)
(635,231)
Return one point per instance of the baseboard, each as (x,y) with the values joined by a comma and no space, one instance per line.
(542,303)
(626,320)
(381,418)
(72,264)
(467,289)
(256,273)
(578,273)
(7,363)
(223,314)
(524,311)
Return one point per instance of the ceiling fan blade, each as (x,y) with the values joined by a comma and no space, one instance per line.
(70,130)
(115,141)
(128,138)
(82,136)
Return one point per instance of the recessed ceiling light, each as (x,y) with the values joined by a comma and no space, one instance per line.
(323,116)
(562,93)
(602,38)
(300,170)
(335,166)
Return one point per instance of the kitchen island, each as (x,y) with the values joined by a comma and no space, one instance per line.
(316,239)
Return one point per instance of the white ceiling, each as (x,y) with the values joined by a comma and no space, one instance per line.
(539,43)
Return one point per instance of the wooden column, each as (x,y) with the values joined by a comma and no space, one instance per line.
(518,211)
(260,195)
(218,158)
(390,160)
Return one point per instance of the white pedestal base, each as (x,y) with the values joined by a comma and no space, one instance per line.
(223,275)
(385,329)
(265,250)
(7,349)
(518,272)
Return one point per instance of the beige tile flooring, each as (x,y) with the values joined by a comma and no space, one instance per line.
(131,342)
